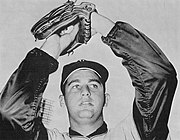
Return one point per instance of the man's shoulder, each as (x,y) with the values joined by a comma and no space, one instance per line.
(55,134)
(125,128)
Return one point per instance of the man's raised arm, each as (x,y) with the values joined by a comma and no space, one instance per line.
(21,97)
(153,76)
(22,94)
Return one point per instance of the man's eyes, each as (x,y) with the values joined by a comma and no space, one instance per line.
(76,86)
(91,86)
(94,86)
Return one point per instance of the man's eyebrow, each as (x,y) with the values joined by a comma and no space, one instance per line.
(95,80)
(73,81)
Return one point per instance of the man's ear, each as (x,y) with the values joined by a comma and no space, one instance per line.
(107,98)
(61,100)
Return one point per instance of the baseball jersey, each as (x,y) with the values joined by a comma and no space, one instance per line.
(152,74)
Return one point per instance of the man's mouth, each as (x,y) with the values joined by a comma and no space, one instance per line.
(86,104)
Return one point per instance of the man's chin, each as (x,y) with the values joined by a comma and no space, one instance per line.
(86,114)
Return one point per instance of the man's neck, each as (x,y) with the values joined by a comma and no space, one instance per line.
(86,128)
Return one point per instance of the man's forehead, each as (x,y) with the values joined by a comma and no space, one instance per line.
(83,73)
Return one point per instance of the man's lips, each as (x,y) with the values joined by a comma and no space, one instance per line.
(86,103)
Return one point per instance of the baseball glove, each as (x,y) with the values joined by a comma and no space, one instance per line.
(61,18)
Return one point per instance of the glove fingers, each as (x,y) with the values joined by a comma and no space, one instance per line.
(61,18)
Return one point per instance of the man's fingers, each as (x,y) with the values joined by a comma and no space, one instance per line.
(74,31)
(70,30)
(66,31)
(67,36)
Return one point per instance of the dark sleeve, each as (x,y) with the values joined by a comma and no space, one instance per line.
(152,75)
(21,97)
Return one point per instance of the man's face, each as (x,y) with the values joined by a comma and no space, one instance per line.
(84,96)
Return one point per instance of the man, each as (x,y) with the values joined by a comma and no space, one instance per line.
(83,87)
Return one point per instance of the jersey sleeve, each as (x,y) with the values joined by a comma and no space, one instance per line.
(153,77)
(21,97)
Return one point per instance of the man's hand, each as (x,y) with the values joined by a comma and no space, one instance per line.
(100,24)
(56,43)
(67,36)
(61,18)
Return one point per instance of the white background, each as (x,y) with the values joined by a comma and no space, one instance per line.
(158,19)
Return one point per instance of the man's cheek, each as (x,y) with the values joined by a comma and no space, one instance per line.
(99,100)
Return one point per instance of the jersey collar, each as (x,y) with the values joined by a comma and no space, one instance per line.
(102,129)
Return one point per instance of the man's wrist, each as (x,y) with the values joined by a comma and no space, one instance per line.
(52,46)
(101,24)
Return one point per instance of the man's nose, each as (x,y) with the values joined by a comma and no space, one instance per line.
(85,91)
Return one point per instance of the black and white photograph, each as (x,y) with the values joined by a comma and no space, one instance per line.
(89,70)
